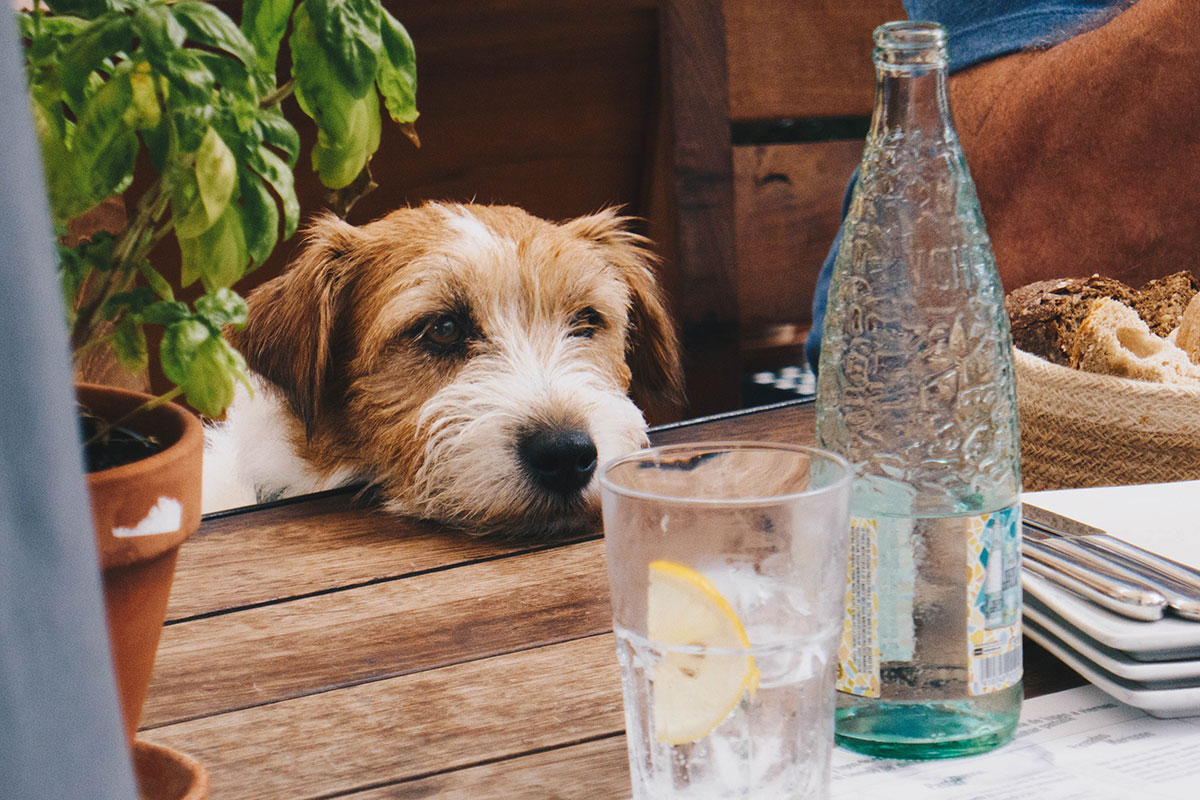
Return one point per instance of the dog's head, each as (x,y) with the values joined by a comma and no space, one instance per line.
(474,362)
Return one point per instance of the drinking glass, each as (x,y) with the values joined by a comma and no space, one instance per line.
(727,564)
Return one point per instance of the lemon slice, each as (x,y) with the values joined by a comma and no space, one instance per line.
(695,692)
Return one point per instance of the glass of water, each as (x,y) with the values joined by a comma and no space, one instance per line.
(727,563)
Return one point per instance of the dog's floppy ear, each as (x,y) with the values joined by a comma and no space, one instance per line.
(652,347)
(294,319)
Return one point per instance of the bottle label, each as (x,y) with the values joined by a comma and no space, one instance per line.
(858,656)
(883,566)
(994,592)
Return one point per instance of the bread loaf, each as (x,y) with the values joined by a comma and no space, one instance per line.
(1187,335)
(1045,315)
(1114,340)
(1161,302)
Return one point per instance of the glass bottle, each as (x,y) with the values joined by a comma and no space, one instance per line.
(916,389)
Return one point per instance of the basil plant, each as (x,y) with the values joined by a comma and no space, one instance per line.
(191,99)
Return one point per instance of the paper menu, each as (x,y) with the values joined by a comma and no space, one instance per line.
(1161,517)
(1078,744)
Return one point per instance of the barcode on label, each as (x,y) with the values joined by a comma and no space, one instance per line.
(992,672)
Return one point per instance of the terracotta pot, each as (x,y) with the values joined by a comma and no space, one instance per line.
(142,512)
(165,774)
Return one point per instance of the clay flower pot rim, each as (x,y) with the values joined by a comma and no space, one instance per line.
(190,430)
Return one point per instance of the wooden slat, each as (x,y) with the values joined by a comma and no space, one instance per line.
(802,58)
(410,726)
(594,770)
(307,547)
(794,423)
(267,654)
(789,203)
(701,188)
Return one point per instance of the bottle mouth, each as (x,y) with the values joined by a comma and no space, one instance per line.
(910,46)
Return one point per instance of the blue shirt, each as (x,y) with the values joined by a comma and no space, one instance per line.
(978,30)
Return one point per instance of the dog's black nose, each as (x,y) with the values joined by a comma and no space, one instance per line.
(560,461)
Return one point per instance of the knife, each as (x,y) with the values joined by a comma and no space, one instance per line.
(1127,598)
(1179,584)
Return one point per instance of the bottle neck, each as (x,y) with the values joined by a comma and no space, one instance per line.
(911,104)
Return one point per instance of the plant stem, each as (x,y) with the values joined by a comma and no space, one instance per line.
(280,94)
(99,340)
(149,405)
(132,244)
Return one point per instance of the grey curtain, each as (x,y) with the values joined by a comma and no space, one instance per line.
(60,728)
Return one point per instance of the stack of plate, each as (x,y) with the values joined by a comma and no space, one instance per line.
(1154,666)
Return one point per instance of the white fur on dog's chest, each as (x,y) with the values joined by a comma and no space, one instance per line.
(249,458)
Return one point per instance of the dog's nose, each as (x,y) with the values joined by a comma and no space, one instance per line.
(561,461)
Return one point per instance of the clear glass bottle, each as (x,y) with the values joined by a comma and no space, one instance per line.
(916,389)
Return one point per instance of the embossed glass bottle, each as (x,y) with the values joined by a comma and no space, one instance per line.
(916,389)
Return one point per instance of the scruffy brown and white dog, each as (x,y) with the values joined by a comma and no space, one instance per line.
(475,363)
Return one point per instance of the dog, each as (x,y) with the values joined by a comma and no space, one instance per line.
(472,363)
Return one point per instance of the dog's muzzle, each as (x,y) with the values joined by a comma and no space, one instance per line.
(560,461)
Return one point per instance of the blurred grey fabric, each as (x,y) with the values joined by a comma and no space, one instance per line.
(60,727)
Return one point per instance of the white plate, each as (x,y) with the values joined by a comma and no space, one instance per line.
(1167,639)
(1165,703)
(1161,517)
(1116,662)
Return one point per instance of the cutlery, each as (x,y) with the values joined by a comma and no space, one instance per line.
(1177,583)
(1127,598)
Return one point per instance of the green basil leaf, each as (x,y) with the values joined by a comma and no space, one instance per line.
(159,284)
(104,144)
(188,75)
(103,39)
(160,32)
(219,255)
(216,173)
(210,27)
(264,22)
(260,216)
(166,312)
(66,187)
(348,33)
(211,374)
(134,302)
(129,344)
(338,160)
(191,125)
(279,175)
(318,90)
(83,8)
(191,217)
(180,343)
(397,79)
(191,254)
(158,143)
(144,111)
(275,130)
(222,307)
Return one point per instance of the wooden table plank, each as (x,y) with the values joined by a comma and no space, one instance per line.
(596,770)
(281,651)
(411,726)
(792,422)
(315,545)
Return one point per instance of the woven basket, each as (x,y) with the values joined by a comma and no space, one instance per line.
(1081,429)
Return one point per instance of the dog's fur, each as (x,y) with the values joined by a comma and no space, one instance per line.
(359,375)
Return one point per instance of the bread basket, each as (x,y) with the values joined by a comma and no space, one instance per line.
(1082,429)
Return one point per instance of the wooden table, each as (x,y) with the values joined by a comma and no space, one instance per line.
(322,649)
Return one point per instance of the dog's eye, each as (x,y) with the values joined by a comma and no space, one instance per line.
(586,323)
(446,331)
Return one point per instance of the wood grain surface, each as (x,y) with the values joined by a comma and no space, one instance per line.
(323,649)
(414,725)
(802,58)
